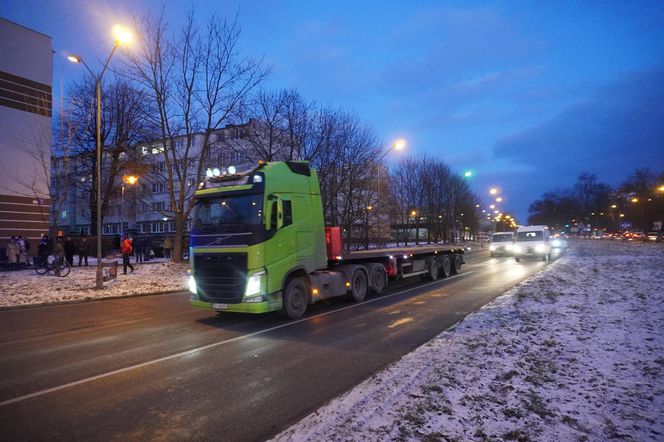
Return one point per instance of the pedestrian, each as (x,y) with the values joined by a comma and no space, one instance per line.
(147,248)
(27,250)
(167,246)
(139,249)
(43,250)
(126,249)
(12,253)
(83,250)
(59,252)
(22,256)
(70,250)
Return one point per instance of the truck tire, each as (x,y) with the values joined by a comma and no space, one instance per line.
(445,265)
(455,264)
(378,278)
(432,270)
(295,298)
(359,285)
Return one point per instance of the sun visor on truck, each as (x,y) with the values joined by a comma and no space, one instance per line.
(301,168)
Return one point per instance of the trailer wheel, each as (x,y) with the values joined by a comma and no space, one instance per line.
(455,264)
(359,285)
(432,270)
(295,298)
(378,278)
(445,266)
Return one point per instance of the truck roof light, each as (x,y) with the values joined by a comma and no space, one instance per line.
(208,173)
(216,171)
(261,163)
(231,170)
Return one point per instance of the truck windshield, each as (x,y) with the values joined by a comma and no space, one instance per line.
(501,238)
(230,214)
(529,236)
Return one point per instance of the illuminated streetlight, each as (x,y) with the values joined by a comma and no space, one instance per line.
(660,188)
(413,213)
(634,200)
(499,199)
(492,206)
(468,173)
(493,191)
(614,206)
(122,38)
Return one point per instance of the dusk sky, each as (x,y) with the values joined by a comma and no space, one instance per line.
(526,94)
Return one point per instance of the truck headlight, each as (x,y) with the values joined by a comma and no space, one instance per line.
(255,284)
(492,247)
(516,249)
(509,247)
(540,248)
(555,243)
(191,283)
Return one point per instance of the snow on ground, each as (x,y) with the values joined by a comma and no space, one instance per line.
(26,287)
(574,353)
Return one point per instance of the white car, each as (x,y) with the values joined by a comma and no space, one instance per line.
(501,244)
(532,241)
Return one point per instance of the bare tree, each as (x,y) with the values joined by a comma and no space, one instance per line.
(123,124)
(196,82)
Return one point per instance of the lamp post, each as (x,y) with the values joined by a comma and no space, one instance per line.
(399,145)
(130,180)
(122,37)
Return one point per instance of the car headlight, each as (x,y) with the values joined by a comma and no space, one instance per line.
(255,284)
(509,247)
(540,248)
(555,243)
(516,249)
(191,283)
(492,247)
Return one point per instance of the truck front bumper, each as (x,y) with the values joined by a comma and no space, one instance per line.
(271,303)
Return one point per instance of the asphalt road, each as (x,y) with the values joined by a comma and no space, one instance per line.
(154,368)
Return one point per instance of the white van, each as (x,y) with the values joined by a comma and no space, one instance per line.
(501,244)
(532,241)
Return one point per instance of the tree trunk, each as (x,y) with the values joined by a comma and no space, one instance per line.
(178,239)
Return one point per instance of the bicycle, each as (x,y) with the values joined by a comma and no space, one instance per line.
(59,266)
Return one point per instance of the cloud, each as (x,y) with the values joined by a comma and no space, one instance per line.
(614,130)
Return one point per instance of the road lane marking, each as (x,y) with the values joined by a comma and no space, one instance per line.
(214,344)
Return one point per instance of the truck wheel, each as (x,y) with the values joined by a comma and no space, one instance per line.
(295,298)
(359,285)
(378,278)
(455,264)
(432,273)
(445,266)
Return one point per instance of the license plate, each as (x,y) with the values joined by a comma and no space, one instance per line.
(220,306)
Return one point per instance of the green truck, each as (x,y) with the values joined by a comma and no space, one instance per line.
(259,244)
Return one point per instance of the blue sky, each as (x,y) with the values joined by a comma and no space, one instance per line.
(527,94)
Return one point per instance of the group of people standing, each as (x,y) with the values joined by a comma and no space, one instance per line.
(18,252)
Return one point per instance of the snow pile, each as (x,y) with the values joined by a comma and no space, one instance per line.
(574,353)
(26,287)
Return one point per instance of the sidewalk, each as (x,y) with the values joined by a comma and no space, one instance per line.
(574,353)
(25,287)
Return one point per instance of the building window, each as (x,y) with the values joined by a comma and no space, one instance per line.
(85,230)
(145,150)
(188,225)
(63,214)
(191,182)
(158,227)
(158,167)
(156,149)
(158,188)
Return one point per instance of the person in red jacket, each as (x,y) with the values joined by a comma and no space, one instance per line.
(126,249)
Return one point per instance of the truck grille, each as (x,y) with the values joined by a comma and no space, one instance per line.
(220,277)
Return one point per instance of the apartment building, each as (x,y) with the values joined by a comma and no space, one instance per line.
(141,202)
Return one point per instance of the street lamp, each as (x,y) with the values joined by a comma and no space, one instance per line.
(399,145)
(122,37)
(130,180)
(493,191)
